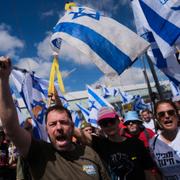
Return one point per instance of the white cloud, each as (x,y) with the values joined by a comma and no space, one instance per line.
(44,50)
(66,73)
(4,26)
(9,44)
(27,63)
(131,76)
(106,7)
(42,69)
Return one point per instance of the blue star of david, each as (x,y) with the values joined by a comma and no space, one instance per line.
(106,90)
(94,15)
(115,91)
(92,105)
(124,99)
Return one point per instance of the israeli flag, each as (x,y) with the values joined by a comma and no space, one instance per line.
(163,19)
(125,97)
(34,99)
(84,111)
(109,91)
(110,45)
(95,102)
(45,84)
(169,66)
(139,103)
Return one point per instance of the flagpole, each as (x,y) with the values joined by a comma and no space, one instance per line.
(148,85)
(157,84)
(149,88)
(22,70)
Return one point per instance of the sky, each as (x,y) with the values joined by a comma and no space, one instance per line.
(25,31)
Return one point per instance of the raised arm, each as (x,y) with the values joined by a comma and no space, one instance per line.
(20,137)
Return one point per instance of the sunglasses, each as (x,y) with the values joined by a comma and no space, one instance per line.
(131,122)
(169,112)
(107,122)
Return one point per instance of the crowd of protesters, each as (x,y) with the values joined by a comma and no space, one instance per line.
(141,145)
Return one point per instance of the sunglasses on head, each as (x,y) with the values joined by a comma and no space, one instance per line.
(171,112)
(107,122)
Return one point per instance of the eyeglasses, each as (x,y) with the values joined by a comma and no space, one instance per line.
(171,112)
(107,122)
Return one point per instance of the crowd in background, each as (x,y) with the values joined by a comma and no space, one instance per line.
(136,145)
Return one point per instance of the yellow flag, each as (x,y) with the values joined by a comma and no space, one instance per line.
(55,70)
(69,5)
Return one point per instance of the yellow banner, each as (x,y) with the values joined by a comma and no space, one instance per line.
(55,70)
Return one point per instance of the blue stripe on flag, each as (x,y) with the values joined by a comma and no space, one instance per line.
(99,44)
(83,109)
(77,120)
(35,84)
(92,121)
(177,90)
(163,28)
(161,61)
(176,8)
(99,100)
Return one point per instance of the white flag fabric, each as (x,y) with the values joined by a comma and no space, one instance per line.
(169,66)
(110,45)
(16,100)
(163,20)
(175,91)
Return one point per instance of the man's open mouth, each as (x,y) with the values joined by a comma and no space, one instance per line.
(61,138)
(168,122)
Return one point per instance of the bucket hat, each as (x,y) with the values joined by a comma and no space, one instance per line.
(131,116)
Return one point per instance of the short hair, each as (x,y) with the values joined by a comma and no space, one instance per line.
(58,108)
(166,101)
